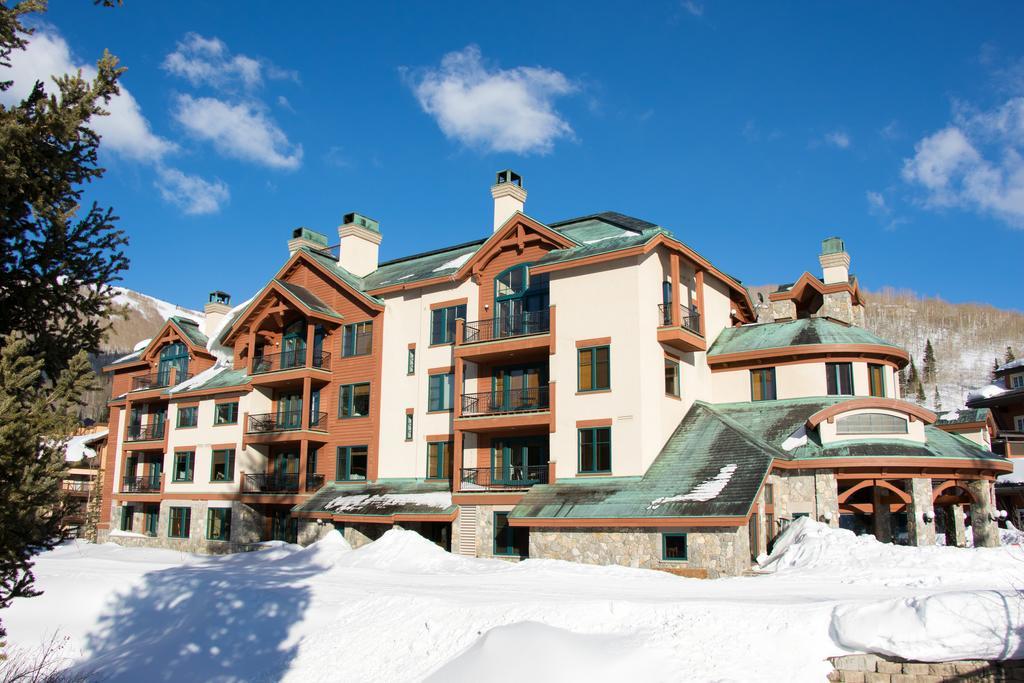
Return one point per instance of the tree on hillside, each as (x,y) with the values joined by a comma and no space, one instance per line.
(919,396)
(36,418)
(936,400)
(995,366)
(912,377)
(928,368)
(58,258)
(1009,355)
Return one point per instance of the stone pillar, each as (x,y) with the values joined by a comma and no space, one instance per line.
(986,533)
(826,497)
(921,531)
(882,514)
(956,531)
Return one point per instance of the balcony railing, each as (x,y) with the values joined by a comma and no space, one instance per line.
(146,484)
(154,381)
(1009,444)
(522,476)
(314,482)
(509,401)
(75,486)
(150,432)
(270,483)
(688,319)
(283,421)
(288,360)
(505,327)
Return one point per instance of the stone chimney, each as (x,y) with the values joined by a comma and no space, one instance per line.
(304,237)
(509,196)
(216,308)
(835,262)
(360,242)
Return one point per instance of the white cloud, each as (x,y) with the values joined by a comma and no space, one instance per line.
(208,61)
(125,131)
(975,162)
(242,131)
(499,110)
(876,203)
(694,7)
(839,139)
(191,194)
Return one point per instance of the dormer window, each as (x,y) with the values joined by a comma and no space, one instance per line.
(173,356)
(871,423)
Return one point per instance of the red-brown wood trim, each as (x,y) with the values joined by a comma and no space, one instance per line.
(435,438)
(597,341)
(450,303)
(441,371)
(949,484)
(868,483)
(979,469)
(871,403)
(482,498)
(184,449)
(224,446)
(866,352)
(602,422)
(229,399)
(511,226)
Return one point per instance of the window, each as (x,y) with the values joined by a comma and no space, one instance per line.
(673,547)
(184,461)
(1019,423)
(769,494)
(410,362)
(188,416)
(408,426)
(442,323)
(226,414)
(839,378)
(762,384)
(180,522)
(222,465)
(671,377)
(351,464)
(439,460)
(595,446)
(510,541)
(594,368)
(357,339)
(127,517)
(441,391)
(871,423)
(876,379)
(354,400)
(218,524)
(1017,381)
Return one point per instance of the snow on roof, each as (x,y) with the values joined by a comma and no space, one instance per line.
(702,492)
(223,353)
(78,448)
(442,500)
(456,262)
(951,415)
(1013,364)
(141,346)
(200,379)
(987,391)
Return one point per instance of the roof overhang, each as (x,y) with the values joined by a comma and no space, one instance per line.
(808,281)
(808,352)
(912,410)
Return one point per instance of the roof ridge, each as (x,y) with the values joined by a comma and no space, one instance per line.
(747,435)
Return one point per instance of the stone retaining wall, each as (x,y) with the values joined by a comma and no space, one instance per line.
(876,669)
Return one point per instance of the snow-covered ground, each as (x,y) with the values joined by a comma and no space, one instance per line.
(401,609)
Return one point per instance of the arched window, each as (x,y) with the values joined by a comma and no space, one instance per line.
(175,356)
(871,423)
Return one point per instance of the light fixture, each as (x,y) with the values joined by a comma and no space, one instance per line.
(826,517)
(929,517)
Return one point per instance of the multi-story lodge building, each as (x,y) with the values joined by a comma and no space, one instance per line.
(592,389)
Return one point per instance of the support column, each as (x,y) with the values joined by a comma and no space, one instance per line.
(920,530)
(700,300)
(303,461)
(957,535)
(986,533)
(882,514)
(307,395)
(676,304)
(310,328)
(826,497)
(457,463)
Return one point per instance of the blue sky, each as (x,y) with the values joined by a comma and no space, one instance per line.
(750,130)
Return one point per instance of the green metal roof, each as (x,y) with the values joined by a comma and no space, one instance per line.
(308,299)
(777,335)
(329,262)
(190,328)
(963,416)
(422,266)
(382,498)
(228,377)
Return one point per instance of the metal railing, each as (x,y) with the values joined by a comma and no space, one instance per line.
(287,360)
(314,482)
(270,483)
(76,486)
(1009,444)
(283,421)
(521,476)
(148,432)
(146,484)
(504,327)
(154,381)
(688,318)
(508,401)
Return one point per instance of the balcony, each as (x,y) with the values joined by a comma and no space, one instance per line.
(284,421)
(145,484)
(498,411)
(289,360)
(492,478)
(270,483)
(686,336)
(314,482)
(76,486)
(499,338)
(148,432)
(1009,444)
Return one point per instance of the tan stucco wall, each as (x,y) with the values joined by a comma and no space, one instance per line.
(794,380)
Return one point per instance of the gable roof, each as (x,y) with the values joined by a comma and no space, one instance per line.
(789,333)
(186,327)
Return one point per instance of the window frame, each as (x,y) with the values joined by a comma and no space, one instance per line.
(677,391)
(410,362)
(592,350)
(842,422)
(451,314)
(225,524)
(510,549)
(187,521)
(349,403)
(769,373)
(193,410)
(353,329)
(444,459)
(229,465)
(409,426)
(833,374)
(1018,422)
(1017,381)
(448,397)
(190,470)
(579,449)
(216,413)
(347,451)
(665,536)
(880,369)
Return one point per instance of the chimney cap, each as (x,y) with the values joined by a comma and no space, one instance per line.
(219,297)
(362,221)
(832,245)
(509,176)
(310,235)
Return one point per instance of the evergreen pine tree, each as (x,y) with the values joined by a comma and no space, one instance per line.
(912,377)
(928,369)
(936,400)
(995,366)
(920,397)
(1009,355)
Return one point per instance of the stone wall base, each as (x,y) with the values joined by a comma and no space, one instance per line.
(878,669)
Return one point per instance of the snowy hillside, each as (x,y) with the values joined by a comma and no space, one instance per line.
(142,318)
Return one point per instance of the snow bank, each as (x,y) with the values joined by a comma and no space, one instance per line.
(704,491)
(987,391)
(324,553)
(555,654)
(406,552)
(937,628)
